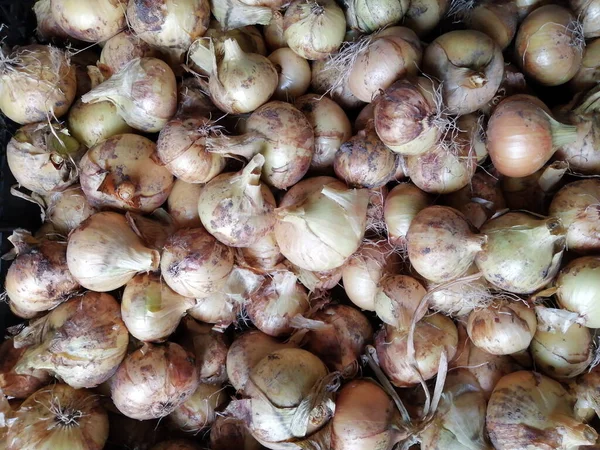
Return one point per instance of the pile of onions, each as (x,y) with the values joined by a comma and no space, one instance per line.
(81,341)
(122,48)
(423,16)
(581,154)
(401,206)
(104,253)
(183,204)
(38,82)
(294,74)
(59,417)
(144,92)
(43,158)
(120,173)
(321,223)
(199,411)
(549,45)
(469,65)
(397,300)
(91,123)
(523,253)
(13,384)
(153,381)
(90,22)
(527,407)
(38,279)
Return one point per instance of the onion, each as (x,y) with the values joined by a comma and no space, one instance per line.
(274,33)
(181,148)
(169,25)
(496,19)
(272,308)
(233,14)
(153,381)
(241,82)
(433,335)
(584,389)
(330,125)
(195,264)
(262,256)
(471,129)
(364,161)
(441,243)
(144,92)
(401,206)
(319,281)
(375,211)
(326,81)
(540,410)
(588,12)
(470,66)
(356,401)
(193,100)
(314,30)
(183,204)
(87,21)
(368,16)
(321,223)
(199,411)
(236,208)
(502,328)
(549,45)
(150,309)
(522,253)
(153,230)
(122,48)
(586,76)
(81,341)
(527,6)
(120,173)
(59,417)
(385,57)
(294,74)
(576,289)
(424,15)
(13,384)
(176,444)
(91,123)
(581,154)
(397,300)
(522,136)
(217,309)
(38,279)
(513,82)
(38,82)
(227,433)
(47,28)
(43,158)
(104,253)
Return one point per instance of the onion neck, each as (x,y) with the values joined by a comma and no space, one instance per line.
(474,79)
(247,145)
(562,134)
(232,50)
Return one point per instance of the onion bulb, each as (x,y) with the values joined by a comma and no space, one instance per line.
(576,289)
(38,279)
(470,66)
(441,243)
(497,19)
(153,381)
(153,230)
(549,45)
(43,158)
(294,74)
(586,76)
(104,253)
(194,264)
(433,335)
(502,328)
(321,223)
(317,281)
(471,130)
(401,206)
(120,173)
(227,433)
(314,30)
(91,123)
(144,92)
(122,48)
(584,389)
(13,384)
(588,13)
(273,32)
(199,411)
(423,16)
(192,99)
(331,81)
(272,308)
(236,208)
(81,341)
(397,300)
(59,417)
(262,256)
(38,82)
(217,308)
(47,28)
(368,16)
(330,125)
(527,408)
(522,253)
(241,82)
(183,204)
(90,21)
(233,14)
(150,309)
(171,25)
(582,154)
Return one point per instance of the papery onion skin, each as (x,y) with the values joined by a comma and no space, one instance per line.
(401,205)
(262,256)
(47,28)
(153,381)
(183,204)
(91,123)
(424,15)
(199,411)
(577,289)
(582,154)
(217,308)
(122,48)
(90,21)
(294,74)
(57,417)
(192,100)
(398,299)
(13,384)
(588,73)
(67,209)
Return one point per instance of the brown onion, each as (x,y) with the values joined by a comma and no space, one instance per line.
(424,15)
(183,204)
(192,99)
(91,123)
(273,32)
(588,13)
(497,19)
(294,74)
(13,384)
(199,411)
(401,205)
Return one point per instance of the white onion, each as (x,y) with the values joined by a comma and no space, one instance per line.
(183,204)
(577,289)
(401,206)
(122,48)
(89,21)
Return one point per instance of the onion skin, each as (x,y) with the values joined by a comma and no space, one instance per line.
(13,384)
(91,123)
(183,204)
(588,73)
(424,15)
(401,205)
(47,28)
(153,381)
(397,300)
(261,257)
(582,154)
(577,289)
(496,19)
(325,81)
(122,48)
(198,411)
(294,74)
(90,21)
(59,417)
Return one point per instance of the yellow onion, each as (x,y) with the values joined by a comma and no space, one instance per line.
(104,253)
(502,328)
(144,92)
(181,148)
(47,28)
(314,29)
(433,335)
(90,21)
(330,125)
(13,384)
(588,13)
(153,381)
(576,289)
(38,279)
(423,16)
(217,308)
(43,158)
(541,412)
(321,223)
(522,253)
(397,300)
(261,256)
(233,14)
(227,433)
(331,81)
(294,74)
(194,264)
(122,48)
(59,417)
(199,411)
(183,204)
(273,32)
(549,45)
(120,173)
(497,19)
(586,76)
(236,208)
(581,154)
(401,205)
(91,123)
(153,230)
(513,82)
(470,66)
(38,82)
(584,389)
(441,243)
(81,341)
(368,16)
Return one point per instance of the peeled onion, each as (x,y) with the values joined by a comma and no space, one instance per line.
(199,411)
(401,206)
(576,289)
(91,123)
(183,204)
(90,21)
